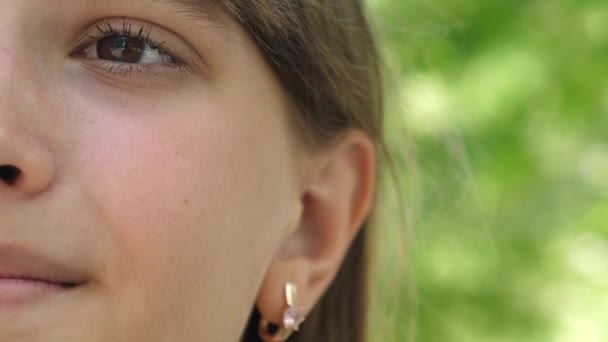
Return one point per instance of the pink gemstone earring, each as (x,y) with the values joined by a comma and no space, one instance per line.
(292,318)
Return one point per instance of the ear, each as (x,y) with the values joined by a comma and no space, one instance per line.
(336,197)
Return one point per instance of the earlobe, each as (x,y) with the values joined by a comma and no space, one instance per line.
(293,316)
(335,202)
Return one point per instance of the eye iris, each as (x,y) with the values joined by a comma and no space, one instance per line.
(121,49)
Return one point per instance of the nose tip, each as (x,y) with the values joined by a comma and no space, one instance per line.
(26,165)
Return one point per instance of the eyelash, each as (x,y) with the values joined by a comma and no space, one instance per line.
(109,30)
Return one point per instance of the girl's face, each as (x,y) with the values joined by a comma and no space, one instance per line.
(158,172)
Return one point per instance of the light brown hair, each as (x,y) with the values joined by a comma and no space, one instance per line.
(324,54)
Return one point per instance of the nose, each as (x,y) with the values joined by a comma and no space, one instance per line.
(26,163)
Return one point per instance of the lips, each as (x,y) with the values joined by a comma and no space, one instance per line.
(26,276)
(19,263)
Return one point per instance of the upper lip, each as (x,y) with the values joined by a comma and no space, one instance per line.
(21,263)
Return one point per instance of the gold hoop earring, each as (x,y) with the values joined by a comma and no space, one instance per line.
(292,318)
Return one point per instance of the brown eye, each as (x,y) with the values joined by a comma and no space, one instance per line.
(121,49)
(128,50)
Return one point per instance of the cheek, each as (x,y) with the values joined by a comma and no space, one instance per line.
(186,199)
(157,183)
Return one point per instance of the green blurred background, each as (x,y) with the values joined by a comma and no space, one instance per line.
(498,122)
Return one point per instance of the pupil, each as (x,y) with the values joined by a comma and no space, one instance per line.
(121,49)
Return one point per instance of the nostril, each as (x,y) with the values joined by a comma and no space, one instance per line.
(9,174)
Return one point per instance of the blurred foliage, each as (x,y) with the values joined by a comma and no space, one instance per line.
(504,105)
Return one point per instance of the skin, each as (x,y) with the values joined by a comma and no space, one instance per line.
(183,198)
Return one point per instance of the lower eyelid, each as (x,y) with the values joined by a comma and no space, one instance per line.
(135,72)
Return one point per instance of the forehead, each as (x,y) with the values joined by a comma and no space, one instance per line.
(210,10)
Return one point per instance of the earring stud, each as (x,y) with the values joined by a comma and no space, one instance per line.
(292,318)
